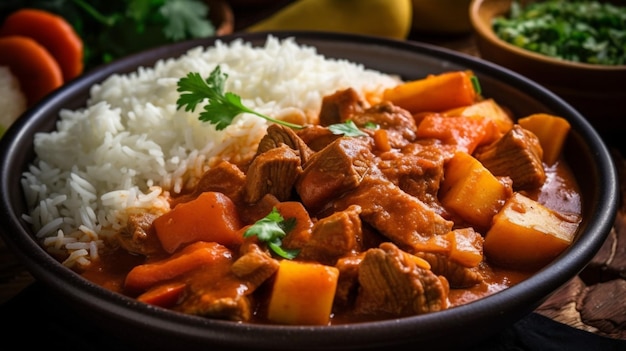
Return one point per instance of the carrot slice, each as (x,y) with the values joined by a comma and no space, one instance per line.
(51,31)
(164,295)
(210,217)
(435,93)
(146,276)
(465,132)
(36,70)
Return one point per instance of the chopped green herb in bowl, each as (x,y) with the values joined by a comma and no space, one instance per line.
(580,31)
(576,49)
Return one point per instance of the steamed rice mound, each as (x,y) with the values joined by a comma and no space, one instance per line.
(129,147)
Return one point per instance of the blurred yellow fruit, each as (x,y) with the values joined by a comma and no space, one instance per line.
(386,18)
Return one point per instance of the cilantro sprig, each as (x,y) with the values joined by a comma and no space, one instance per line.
(348,128)
(271,229)
(222,107)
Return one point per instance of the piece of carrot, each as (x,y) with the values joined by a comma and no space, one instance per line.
(165,295)
(146,276)
(435,93)
(52,32)
(36,70)
(465,132)
(300,234)
(381,140)
(212,216)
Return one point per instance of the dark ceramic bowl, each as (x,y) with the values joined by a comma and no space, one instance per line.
(136,323)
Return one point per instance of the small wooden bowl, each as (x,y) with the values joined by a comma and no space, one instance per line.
(598,92)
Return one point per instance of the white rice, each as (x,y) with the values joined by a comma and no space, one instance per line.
(130,146)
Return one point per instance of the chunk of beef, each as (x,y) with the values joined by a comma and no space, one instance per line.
(348,282)
(317,137)
(300,234)
(518,154)
(340,107)
(260,209)
(272,172)
(234,306)
(277,135)
(336,169)
(225,177)
(402,218)
(390,281)
(213,290)
(457,275)
(139,236)
(456,255)
(418,170)
(222,289)
(254,266)
(334,236)
(398,122)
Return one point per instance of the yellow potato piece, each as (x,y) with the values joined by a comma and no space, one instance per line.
(303,293)
(487,108)
(551,132)
(527,235)
(471,191)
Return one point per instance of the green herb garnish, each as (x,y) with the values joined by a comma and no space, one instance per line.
(222,107)
(476,85)
(348,128)
(592,32)
(371,126)
(111,29)
(271,229)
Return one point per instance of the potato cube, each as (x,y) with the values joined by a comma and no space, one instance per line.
(551,131)
(471,191)
(303,293)
(487,108)
(527,235)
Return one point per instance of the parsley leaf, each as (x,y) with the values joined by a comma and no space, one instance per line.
(271,229)
(371,126)
(186,16)
(222,107)
(348,128)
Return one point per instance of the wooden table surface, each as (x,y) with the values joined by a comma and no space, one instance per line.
(594,301)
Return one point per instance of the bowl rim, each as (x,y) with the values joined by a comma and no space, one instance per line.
(484,29)
(114,306)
